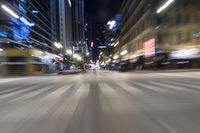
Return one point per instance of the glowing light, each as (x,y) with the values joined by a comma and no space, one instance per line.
(79,58)
(11,12)
(123,52)
(165,6)
(1,49)
(149,48)
(185,54)
(69,51)
(116,44)
(116,57)
(70,4)
(75,56)
(111,24)
(92,44)
(58,45)
(26,22)
(35,11)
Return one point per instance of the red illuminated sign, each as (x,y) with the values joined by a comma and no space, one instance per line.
(92,44)
(149,48)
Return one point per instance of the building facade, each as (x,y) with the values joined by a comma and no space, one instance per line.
(35,23)
(147,31)
(65,22)
(28,30)
(78,24)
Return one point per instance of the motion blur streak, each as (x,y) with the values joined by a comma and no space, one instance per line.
(138,102)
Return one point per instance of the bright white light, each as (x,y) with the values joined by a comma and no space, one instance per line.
(70,4)
(103,63)
(114,61)
(116,57)
(112,44)
(1,49)
(185,54)
(7,9)
(101,53)
(124,52)
(69,51)
(116,44)
(165,6)
(111,24)
(79,58)
(26,22)
(35,11)
(75,56)
(58,45)
(87,53)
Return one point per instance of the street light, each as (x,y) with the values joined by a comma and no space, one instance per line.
(58,45)
(116,57)
(10,11)
(124,52)
(163,7)
(79,58)
(116,44)
(111,24)
(69,52)
(75,56)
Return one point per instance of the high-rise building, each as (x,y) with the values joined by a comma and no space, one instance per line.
(28,32)
(65,19)
(78,23)
(31,22)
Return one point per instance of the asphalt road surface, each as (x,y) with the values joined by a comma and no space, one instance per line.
(101,102)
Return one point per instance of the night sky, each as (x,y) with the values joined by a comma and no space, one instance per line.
(99,12)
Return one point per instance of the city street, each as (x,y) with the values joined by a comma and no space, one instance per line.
(101,102)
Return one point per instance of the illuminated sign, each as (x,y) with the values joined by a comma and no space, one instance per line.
(92,44)
(149,48)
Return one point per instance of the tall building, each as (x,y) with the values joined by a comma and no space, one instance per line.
(150,27)
(32,24)
(28,31)
(78,24)
(65,19)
